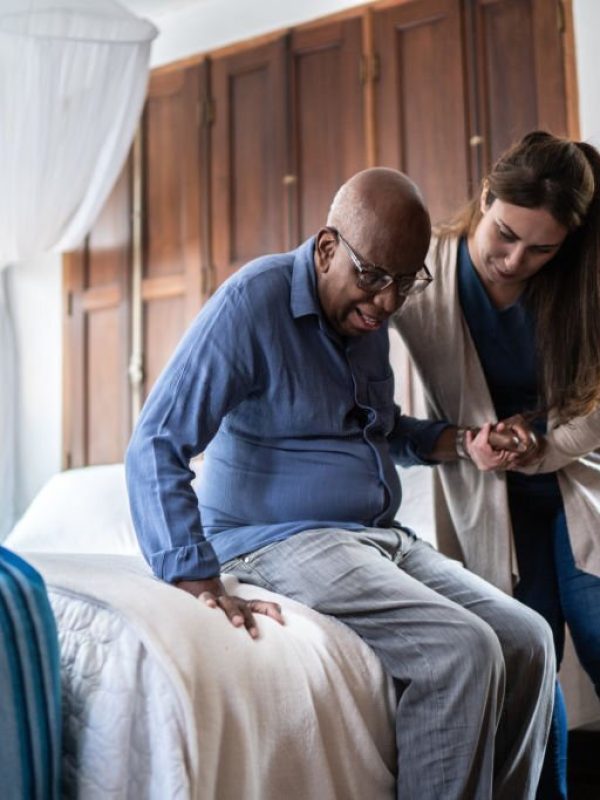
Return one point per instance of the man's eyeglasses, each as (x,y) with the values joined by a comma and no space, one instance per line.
(373,279)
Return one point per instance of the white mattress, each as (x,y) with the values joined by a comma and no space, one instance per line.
(122,723)
(164,699)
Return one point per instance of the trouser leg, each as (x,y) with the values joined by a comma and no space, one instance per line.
(580,603)
(534,519)
(447,661)
(553,585)
(527,647)
(553,780)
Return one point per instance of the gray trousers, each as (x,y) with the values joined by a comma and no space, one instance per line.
(474,669)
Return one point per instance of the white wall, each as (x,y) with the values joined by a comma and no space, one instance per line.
(190,28)
(35,296)
(587,41)
(209,24)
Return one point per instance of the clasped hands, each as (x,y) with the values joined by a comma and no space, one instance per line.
(508,444)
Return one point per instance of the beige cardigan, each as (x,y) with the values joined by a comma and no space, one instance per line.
(471,507)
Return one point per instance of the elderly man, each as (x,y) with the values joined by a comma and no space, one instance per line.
(283,381)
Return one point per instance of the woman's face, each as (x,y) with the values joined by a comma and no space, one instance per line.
(510,244)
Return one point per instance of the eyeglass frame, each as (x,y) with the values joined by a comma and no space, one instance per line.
(418,282)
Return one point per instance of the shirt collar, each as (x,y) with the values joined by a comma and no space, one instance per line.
(303,298)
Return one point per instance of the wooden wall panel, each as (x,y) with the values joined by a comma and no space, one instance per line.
(521,84)
(106,434)
(174,197)
(96,416)
(171,178)
(421,101)
(248,156)
(162,314)
(327,120)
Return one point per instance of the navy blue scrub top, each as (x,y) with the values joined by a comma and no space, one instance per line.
(505,343)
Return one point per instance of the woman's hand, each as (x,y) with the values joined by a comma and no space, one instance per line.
(531,444)
(493,447)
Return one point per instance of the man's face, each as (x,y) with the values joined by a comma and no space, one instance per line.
(350,310)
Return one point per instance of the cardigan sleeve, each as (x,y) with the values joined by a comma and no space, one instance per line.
(569,442)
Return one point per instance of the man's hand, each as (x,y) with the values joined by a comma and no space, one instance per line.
(445,445)
(531,444)
(503,438)
(239,611)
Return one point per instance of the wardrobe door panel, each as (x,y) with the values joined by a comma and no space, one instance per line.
(248,156)
(174,197)
(96,337)
(327,120)
(162,314)
(106,435)
(520,71)
(421,100)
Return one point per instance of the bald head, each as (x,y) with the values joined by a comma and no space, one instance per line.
(377,225)
(382,210)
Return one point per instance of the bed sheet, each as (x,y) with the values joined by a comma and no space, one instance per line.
(163,698)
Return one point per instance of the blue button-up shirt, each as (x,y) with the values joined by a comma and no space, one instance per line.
(297,423)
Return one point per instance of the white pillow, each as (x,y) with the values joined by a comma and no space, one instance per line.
(417,510)
(79,511)
(87,511)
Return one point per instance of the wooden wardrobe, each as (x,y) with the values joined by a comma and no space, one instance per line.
(240,151)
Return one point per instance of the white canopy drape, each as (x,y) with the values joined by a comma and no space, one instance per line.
(73,76)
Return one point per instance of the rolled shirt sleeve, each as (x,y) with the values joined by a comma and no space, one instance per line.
(413,440)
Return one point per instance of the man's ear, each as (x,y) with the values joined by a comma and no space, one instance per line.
(325,247)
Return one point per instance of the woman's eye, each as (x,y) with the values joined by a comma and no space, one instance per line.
(508,237)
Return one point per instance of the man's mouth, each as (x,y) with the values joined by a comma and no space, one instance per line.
(370,323)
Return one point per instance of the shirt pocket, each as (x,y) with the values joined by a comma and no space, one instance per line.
(381,400)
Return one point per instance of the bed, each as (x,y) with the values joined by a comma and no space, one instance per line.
(163,699)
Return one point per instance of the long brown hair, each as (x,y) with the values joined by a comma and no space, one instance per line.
(544,171)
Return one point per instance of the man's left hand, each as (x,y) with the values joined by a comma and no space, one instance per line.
(239,612)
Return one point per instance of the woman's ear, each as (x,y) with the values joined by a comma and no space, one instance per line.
(325,247)
(483,200)
(487,197)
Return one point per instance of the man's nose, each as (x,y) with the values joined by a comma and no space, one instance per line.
(389,299)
